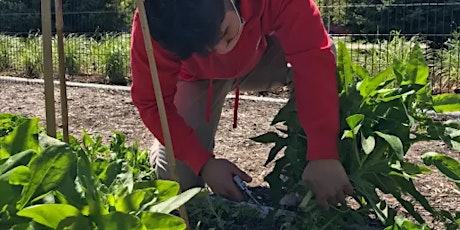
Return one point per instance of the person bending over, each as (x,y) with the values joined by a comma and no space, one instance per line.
(205,49)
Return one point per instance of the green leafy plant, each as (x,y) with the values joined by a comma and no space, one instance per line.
(381,116)
(5,59)
(31,57)
(214,212)
(72,53)
(48,184)
(447,64)
(115,71)
(116,60)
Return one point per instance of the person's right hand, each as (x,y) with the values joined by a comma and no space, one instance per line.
(219,173)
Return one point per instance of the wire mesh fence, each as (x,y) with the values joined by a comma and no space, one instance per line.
(378,31)
(97,36)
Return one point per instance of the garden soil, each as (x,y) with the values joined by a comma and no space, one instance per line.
(100,111)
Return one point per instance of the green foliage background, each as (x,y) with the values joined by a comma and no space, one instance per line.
(432,18)
(23,16)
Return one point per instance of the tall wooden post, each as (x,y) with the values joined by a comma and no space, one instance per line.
(61,70)
(160,102)
(48,67)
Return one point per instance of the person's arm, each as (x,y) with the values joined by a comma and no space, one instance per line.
(186,145)
(300,29)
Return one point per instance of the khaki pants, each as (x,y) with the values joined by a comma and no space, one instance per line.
(191,98)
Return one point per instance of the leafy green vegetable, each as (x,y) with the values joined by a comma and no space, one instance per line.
(446,103)
(82,184)
(21,158)
(21,138)
(175,202)
(445,164)
(47,170)
(381,116)
(8,122)
(49,214)
(161,221)
(121,221)
(20,176)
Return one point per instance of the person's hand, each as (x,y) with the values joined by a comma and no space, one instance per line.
(218,174)
(329,181)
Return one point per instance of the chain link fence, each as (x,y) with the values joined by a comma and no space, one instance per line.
(97,36)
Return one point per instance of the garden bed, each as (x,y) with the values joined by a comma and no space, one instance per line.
(100,111)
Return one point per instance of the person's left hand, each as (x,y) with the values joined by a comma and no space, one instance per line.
(329,181)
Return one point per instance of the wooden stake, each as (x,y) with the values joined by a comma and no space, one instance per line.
(48,68)
(61,70)
(160,102)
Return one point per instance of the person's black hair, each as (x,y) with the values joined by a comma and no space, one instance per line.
(185,27)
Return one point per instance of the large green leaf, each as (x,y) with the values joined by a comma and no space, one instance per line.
(67,193)
(162,221)
(46,141)
(121,221)
(130,202)
(448,166)
(99,165)
(344,67)
(47,170)
(361,71)
(394,142)
(88,143)
(354,120)
(399,70)
(8,122)
(175,202)
(396,94)
(22,138)
(75,223)
(49,214)
(123,184)
(447,132)
(21,158)
(368,144)
(367,189)
(269,137)
(274,179)
(87,179)
(409,207)
(25,226)
(166,189)
(9,192)
(20,175)
(285,112)
(407,186)
(446,103)
(110,172)
(414,169)
(279,145)
(454,123)
(417,70)
(369,85)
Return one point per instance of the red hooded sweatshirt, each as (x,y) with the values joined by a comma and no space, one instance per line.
(299,28)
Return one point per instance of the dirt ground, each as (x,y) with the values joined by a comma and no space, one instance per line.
(100,111)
